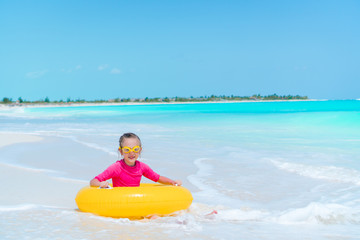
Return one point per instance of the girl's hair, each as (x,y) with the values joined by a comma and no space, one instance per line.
(128,135)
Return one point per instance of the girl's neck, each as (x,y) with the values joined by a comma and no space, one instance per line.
(129,164)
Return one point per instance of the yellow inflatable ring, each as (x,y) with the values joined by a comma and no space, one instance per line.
(133,202)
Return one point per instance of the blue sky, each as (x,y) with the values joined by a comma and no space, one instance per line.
(108,49)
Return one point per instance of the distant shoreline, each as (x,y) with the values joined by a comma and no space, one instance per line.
(90,104)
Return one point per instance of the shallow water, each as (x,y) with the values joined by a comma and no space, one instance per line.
(273,170)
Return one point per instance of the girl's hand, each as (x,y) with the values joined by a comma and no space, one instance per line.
(104,184)
(168,181)
(177,183)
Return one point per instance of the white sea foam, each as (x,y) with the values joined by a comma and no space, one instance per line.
(313,213)
(207,192)
(21,113)
(11,111)
(63,179)
(180,220)
(245,214)
(25,207)
(204,170)
(30,169)
(92,145)
(17,207)
(228,200)
(329,173)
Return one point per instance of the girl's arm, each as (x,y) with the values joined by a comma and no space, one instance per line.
(97,183)
(168,181)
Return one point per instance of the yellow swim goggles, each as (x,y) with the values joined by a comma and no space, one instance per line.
(135,149)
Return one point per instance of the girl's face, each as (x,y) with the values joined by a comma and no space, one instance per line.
(131,157)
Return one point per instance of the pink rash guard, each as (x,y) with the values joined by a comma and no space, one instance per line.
(127,176)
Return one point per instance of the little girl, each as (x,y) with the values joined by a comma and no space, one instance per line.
(128,171)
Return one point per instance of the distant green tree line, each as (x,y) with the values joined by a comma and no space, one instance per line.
(211,98)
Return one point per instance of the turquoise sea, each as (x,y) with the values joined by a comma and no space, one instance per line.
(272,170)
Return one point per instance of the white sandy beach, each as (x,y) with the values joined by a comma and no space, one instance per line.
(71,104)
(24,184)
(13,138)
